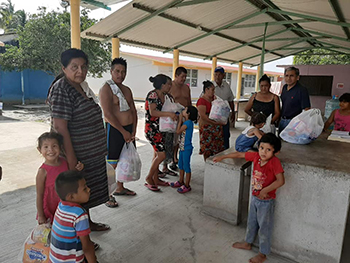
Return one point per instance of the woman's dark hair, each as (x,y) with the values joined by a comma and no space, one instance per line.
(207,84)
(119,61)
(265,78)
(257,118)
(68,183)
(345,97)
(50,136)
(66,58)
(271,139)
(193,113)
(159,80)
(72,53)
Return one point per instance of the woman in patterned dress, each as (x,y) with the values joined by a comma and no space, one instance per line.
(78,119)
(210,132)
(153,106)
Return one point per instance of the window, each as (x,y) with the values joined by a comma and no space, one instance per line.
(249,81)
(192,77)
(317,85)
(227,78)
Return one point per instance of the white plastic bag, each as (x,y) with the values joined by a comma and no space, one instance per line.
(129,164)
(268,126)
(36,248)
(304,128)
(167,124)
(112,183)
(220,110)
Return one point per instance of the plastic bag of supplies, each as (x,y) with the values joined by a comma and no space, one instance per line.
(167,124)
(220,110)
(304,128)
(37,245)
(129,164)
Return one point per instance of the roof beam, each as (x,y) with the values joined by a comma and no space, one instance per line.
(338,12)
(319,19)
(217,30)
(293,38)
(249,43)
(148,17)
(273,23)
(321,34)
(194,2)
(262,4)
(97,4)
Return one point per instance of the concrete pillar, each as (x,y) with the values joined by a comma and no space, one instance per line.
(239,80)
(75,23)
(214,63)
(257,77)
(115,48)
(175,61)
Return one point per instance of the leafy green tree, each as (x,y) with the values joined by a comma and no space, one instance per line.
(321,57)
(45,36)
(10,19)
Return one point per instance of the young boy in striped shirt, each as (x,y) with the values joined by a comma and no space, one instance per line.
(70,240)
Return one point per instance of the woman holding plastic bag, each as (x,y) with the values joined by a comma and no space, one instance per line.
(304,128)
(210,131)
(153,106)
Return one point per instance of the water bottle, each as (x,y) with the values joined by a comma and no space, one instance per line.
(331,105)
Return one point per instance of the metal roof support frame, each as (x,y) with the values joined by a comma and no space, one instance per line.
(340,16)
(194,2)
(321,34)
(217,30)
(276,23)
(262,59)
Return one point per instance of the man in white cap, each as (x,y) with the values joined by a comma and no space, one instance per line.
(223,90)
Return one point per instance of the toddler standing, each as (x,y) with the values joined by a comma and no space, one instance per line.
(185,129)
(251,134)
(340,117)
(50,146)
(268,175)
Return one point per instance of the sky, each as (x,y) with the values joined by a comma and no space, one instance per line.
(31,6)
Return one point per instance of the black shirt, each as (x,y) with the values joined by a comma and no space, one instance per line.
(294,100)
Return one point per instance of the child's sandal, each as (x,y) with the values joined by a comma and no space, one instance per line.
(183,189)
(176,184)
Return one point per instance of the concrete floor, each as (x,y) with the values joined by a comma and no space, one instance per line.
(162,227)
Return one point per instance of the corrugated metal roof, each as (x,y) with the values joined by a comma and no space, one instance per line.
(232,30)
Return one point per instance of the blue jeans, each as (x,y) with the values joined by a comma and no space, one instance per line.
(260,221)
(185,160)
(226,129)
(283,124)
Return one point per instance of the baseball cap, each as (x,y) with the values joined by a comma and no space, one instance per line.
(219,69)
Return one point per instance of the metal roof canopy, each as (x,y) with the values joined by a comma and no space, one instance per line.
(231,30)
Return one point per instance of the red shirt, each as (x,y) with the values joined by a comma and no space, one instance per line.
(206,103)
(264,175)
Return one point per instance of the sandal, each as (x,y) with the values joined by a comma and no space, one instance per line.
(111,203)
(161,174)
(183,189)
(173,166)
(163,183)
(96,246)
(125,191)
(100,227)
(151,187)
(176,184)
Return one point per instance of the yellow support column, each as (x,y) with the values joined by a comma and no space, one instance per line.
(175,61)
(214,63)
(257,77)
(75,23)
(115,48)
(239,81)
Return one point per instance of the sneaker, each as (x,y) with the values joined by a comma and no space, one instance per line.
(183,189)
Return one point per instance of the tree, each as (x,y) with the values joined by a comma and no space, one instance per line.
(45,36)
(321,57)
(9,19)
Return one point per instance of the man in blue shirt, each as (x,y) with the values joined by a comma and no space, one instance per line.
(295,97)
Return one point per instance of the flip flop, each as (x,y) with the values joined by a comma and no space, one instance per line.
(170,173)
(111,203)
(151,187)
(163,183)
(125,191)
(183,189)
(161,174)
(101,227)
(173,166)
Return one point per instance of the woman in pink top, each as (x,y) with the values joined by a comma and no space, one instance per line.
(340,117)
(49,145)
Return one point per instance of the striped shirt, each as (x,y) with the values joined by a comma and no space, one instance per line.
(70,222)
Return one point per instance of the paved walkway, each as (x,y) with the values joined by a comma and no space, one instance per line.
(162,227)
